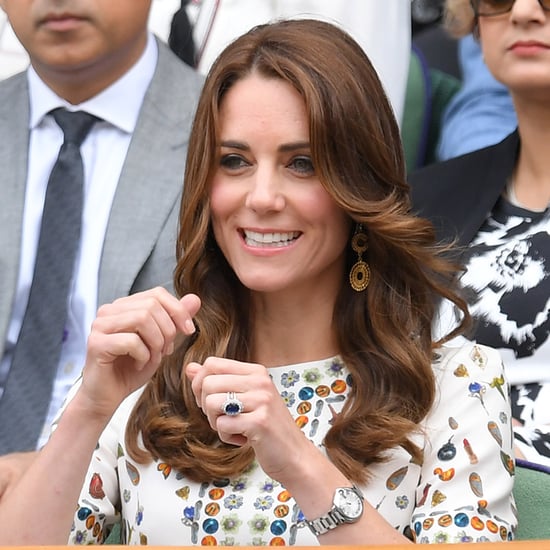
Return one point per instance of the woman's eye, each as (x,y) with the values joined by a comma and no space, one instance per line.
(302,165)
(233,162)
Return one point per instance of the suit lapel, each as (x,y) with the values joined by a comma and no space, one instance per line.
(151,180)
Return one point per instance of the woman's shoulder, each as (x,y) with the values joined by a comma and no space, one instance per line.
(473,159)
(466,358)
(469,379)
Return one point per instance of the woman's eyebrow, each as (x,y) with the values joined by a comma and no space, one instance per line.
(294,146)
(286,147)
(235,145)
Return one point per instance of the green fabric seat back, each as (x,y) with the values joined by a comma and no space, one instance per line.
(428,92)
(532,495)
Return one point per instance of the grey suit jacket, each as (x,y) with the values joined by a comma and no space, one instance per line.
(139,247)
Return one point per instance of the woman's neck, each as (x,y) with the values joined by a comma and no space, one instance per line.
(291,331)
(531,179)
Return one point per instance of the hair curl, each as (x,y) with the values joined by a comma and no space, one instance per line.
(384,333)
(459,18)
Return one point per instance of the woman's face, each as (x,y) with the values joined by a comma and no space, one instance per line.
(516,47)
(276,225)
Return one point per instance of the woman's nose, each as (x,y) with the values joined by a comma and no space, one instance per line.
(527,10)
(266,191)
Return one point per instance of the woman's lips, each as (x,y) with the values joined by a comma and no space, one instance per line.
(528,47)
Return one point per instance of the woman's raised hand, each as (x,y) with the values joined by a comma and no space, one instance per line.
(264,422)
(128,339)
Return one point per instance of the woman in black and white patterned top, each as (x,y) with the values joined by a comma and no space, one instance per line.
(495,201)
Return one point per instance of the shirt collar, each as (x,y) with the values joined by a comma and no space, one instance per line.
(119,104)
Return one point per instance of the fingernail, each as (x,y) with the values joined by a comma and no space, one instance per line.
(190,326)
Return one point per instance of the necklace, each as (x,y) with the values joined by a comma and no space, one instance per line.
(510,195)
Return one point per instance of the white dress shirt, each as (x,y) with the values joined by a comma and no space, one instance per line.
(103,152)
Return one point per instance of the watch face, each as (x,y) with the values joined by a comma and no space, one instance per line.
(349,502)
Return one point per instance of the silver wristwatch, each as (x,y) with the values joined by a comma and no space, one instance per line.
(347,507)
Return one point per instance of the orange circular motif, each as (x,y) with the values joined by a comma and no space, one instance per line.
(492,526)
(301,421)
(477,524)
(277,541)
(322,391)
(338,386)
(281,511)
(284,496)
(216,494)
(90,520)
(212,508)
(209,540)
(304,407)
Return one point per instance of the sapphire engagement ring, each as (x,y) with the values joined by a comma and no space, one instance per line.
(232,406)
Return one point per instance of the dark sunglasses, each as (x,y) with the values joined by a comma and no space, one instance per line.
(487,8)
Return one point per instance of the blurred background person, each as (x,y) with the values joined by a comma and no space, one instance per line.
(93,61)
(383,29)
(14,57)
(495,203)
(481,113)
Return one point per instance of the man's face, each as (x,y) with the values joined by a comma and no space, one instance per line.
(67,37)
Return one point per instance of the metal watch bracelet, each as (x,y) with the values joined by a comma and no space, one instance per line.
(322,525)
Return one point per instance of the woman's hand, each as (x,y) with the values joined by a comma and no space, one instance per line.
(265,422)
(281,448)
(128,339)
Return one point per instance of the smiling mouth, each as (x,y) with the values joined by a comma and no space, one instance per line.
(273,240)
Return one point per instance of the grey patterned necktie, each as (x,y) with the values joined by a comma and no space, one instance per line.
(25,401)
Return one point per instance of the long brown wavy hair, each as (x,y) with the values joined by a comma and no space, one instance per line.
(384,333)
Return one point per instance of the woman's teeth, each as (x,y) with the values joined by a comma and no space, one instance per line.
(253,238)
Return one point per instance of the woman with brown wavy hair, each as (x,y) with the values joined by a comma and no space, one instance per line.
(317,291)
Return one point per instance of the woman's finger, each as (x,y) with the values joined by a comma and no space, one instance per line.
(155,315)
(105,349)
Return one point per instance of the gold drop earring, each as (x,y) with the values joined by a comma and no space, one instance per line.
(359,275)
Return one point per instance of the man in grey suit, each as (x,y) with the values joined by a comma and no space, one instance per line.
(97,56)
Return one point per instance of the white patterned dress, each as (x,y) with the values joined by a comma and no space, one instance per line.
(461,492)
